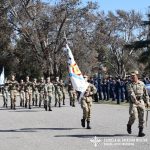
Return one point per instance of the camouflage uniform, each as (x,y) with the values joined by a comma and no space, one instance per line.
(137,91)
(41,91)
(22,93)
(5,94)
(58,93)
(72,94)
(35,93)
(86,103)
(49,90)
(28,93)
(13,88)
(138,96)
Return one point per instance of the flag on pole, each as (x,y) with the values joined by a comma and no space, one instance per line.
(2,77)
(77,80)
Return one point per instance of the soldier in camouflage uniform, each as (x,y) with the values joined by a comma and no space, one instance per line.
(58,92)
(63,91)
(72,94)
(13,88)
(5,94)
(138,96)
(35,92)
(49,91)
(28,92)
(41,91)
(86,103)
(22,92)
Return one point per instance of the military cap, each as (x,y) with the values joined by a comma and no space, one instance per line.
(135,72)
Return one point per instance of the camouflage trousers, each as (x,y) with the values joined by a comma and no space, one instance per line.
(22,98)
(42,98)
(28,96)
(86,104)
(48,99)
(137,111)
(13,96)
(58,98)
(35,97)
(72,98)
(5,97)
(63,97)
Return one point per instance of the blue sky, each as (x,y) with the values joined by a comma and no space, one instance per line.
(106,5)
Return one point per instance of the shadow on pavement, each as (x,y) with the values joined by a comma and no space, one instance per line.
(36,129)
(15,130)
(93,135)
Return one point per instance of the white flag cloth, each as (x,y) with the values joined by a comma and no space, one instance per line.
(77,80)
(2,77)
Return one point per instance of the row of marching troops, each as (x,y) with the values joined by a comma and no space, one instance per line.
(36,93)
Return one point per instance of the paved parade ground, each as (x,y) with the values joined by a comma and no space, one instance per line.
(37,129)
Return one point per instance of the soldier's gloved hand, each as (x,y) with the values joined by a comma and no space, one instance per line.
(86,94)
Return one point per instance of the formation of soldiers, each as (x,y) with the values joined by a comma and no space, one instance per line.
(111,88)
(34,93)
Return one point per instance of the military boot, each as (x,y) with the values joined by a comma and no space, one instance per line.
(88,125)
(32,102)
(141,134)
(25,105)
(83,123)
(45,106)
(50,108)
(29,106)
(129,129)
(14,107)
(59,105)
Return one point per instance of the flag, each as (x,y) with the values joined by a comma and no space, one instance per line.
(2,77)
(77,80)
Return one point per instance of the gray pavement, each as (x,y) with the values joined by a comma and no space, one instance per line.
(37,129)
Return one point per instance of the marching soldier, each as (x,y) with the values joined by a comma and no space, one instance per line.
(28,92)
(58,92)
(86,103)
(138,96)
(22,93)
(63,91)
(72,94)
(49,90)
(13,88)
(35,92)
(5,94)
(41,91)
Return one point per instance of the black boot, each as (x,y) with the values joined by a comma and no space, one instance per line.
(45,106)
(14,107)
(83,123)
(25,105)
(88,125)
(141,134)
(59,105)
(129,129)
(50,109)
(29,106)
